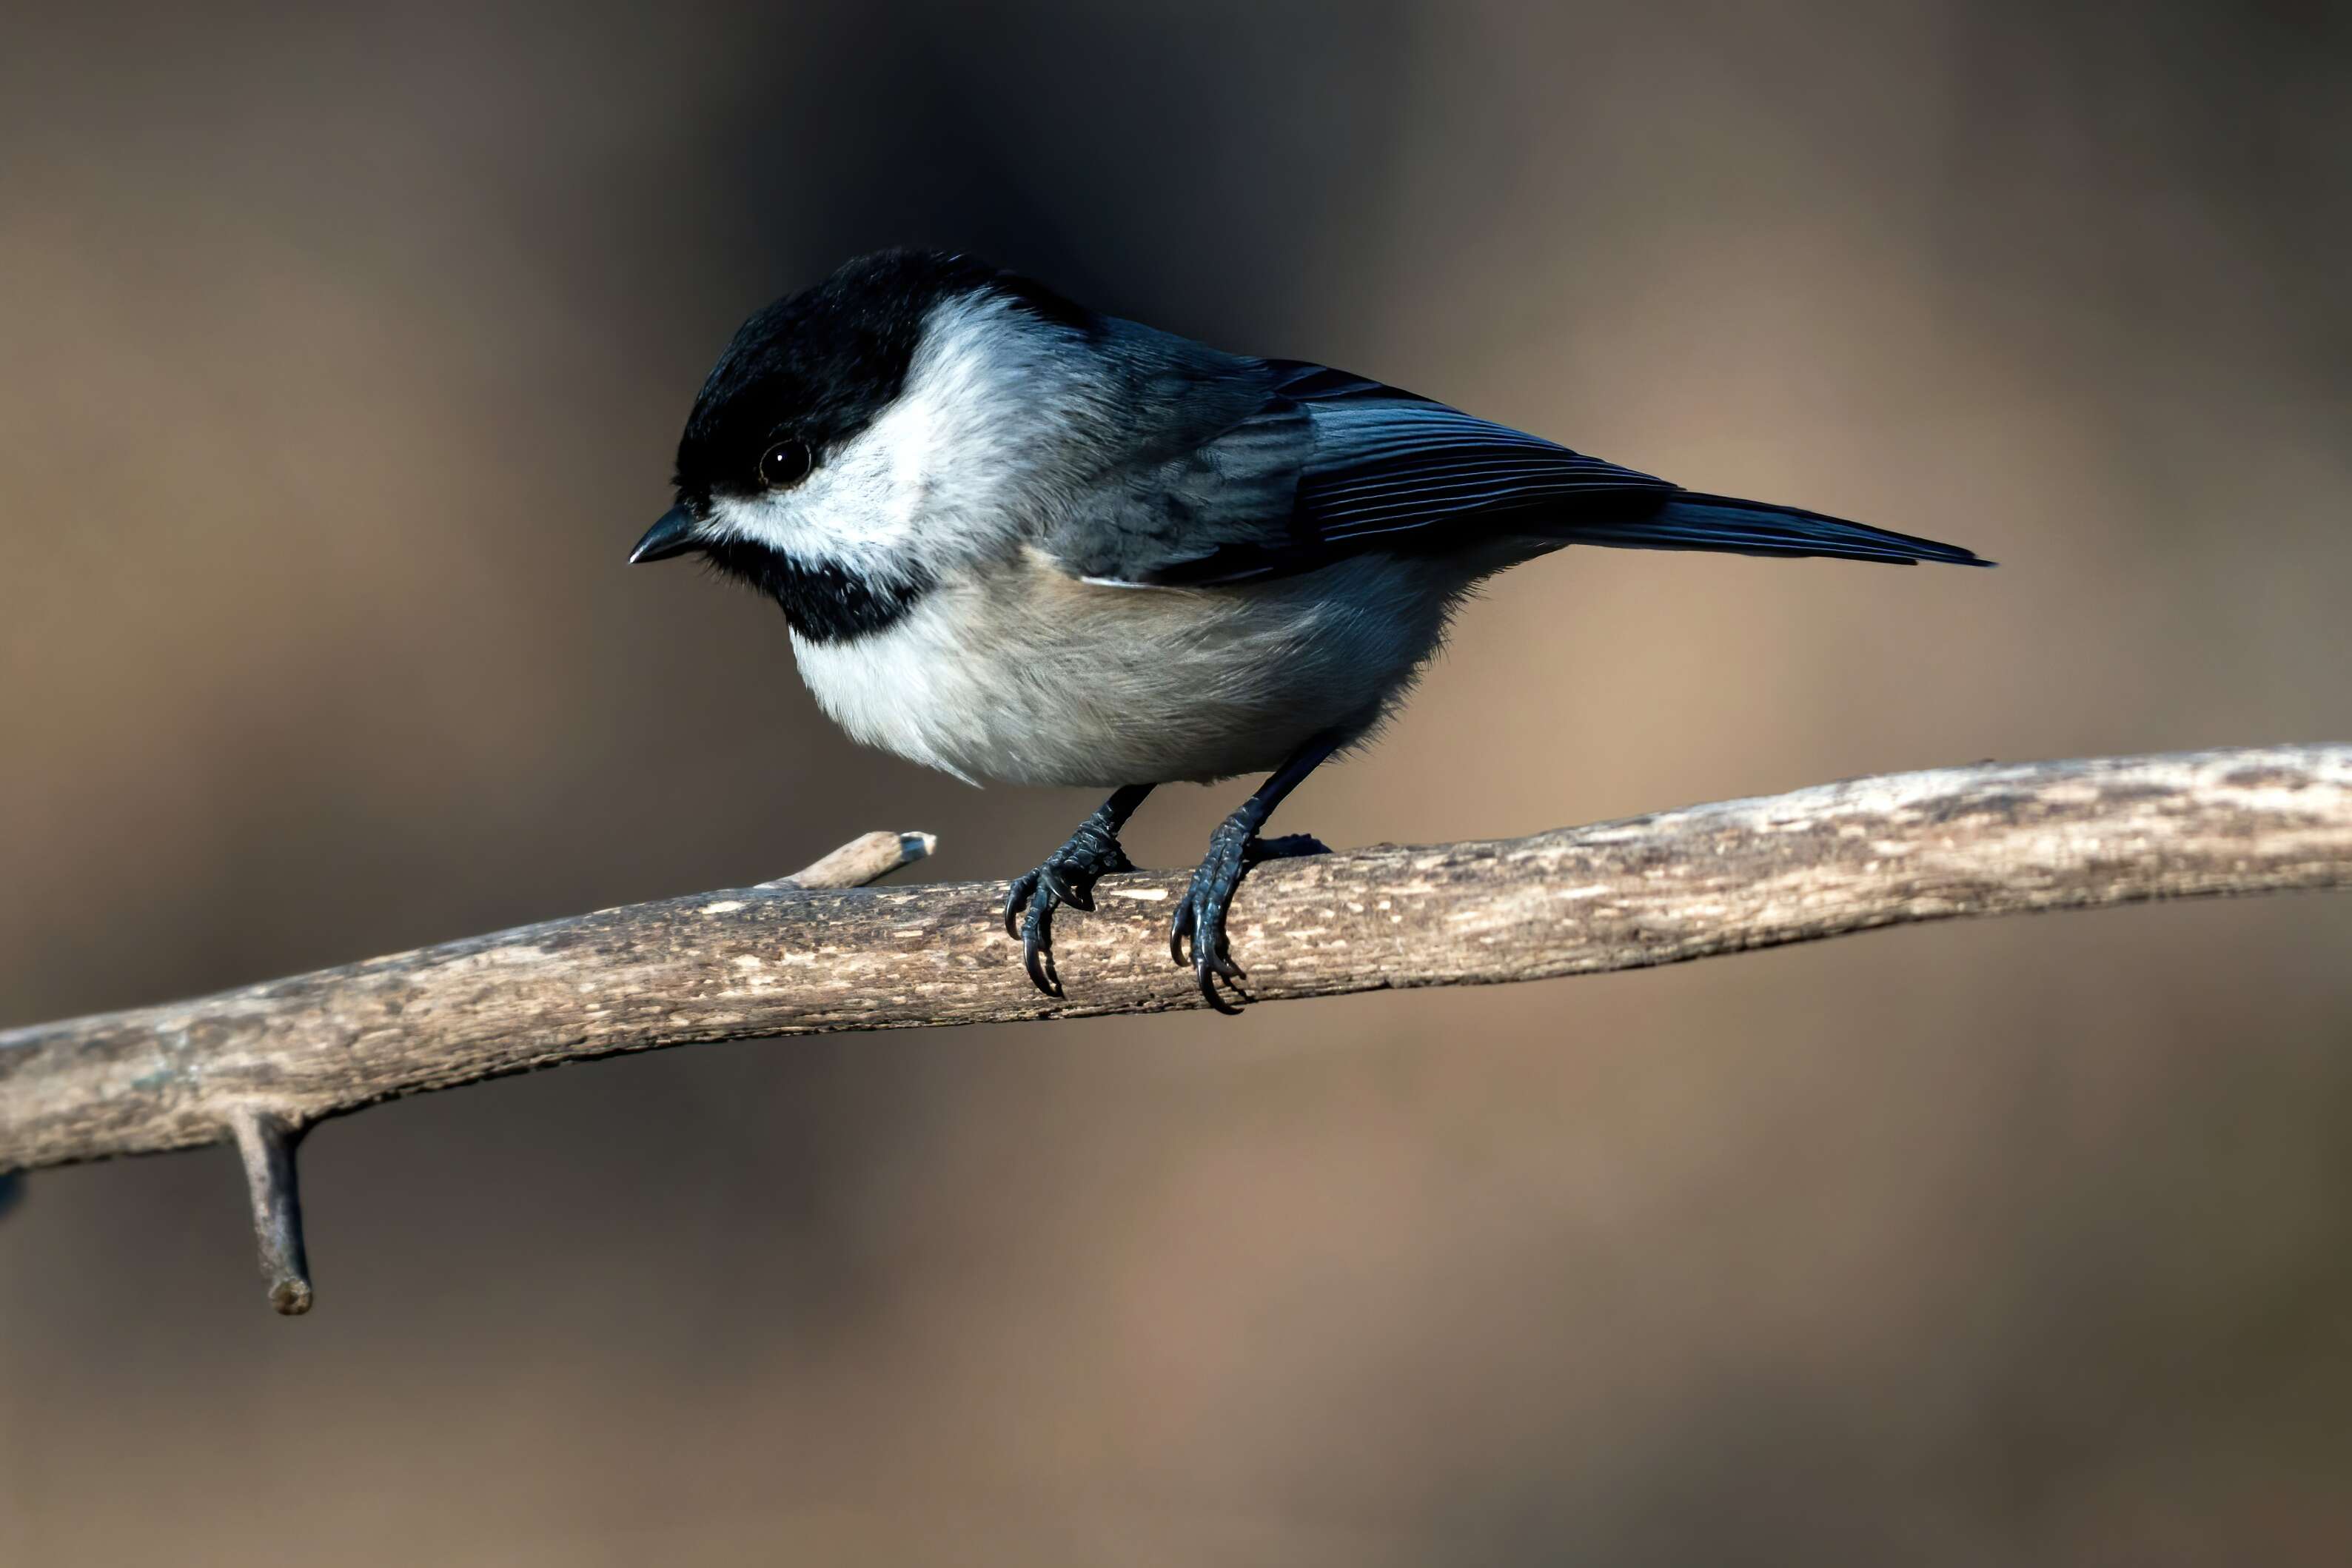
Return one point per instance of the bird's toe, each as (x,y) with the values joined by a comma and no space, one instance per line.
(1037,944)
(1016,898)
(1070,885)
(1288,847)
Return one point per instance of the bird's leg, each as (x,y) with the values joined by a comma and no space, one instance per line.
(1068,876)
(1232,849)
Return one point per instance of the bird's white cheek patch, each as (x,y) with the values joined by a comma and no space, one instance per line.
(954,456)
(851,513)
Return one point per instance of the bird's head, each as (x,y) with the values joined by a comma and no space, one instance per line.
(859,439)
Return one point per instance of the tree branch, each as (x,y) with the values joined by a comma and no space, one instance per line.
(794,958)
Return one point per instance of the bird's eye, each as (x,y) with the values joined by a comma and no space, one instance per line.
(785,463)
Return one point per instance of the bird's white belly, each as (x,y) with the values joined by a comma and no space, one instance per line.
(1024,675)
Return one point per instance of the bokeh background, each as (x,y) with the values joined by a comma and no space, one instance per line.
(342,353)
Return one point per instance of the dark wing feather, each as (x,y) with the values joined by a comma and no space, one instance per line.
(1332,464)
(1382,466)
(1379,468)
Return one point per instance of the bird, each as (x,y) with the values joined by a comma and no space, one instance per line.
(1015,539)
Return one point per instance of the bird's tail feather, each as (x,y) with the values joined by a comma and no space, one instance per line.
(1690,521)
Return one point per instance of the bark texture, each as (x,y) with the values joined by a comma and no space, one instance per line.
(259,1065)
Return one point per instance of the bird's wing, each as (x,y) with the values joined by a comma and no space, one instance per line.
(1330,465)
(1389,467)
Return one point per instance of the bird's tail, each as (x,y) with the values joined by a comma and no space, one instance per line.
(1689,521)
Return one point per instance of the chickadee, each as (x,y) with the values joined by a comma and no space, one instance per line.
(1018,540)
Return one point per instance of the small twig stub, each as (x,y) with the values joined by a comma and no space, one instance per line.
(862,861)
(267,1144)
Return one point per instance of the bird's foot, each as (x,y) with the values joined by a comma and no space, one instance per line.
(1067,877)
(1233,848)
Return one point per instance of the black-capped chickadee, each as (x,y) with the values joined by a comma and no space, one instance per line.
(1018,540)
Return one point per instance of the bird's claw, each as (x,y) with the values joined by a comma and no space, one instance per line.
(1200,914)
(1078,893)
(1067,877)
(1014,897)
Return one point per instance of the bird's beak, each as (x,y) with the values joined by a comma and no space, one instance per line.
(673,535)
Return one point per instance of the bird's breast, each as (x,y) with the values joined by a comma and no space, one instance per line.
(1020,673)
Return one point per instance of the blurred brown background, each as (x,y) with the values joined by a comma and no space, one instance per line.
(343,355)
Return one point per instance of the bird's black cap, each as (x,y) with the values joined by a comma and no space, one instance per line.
(816,368)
